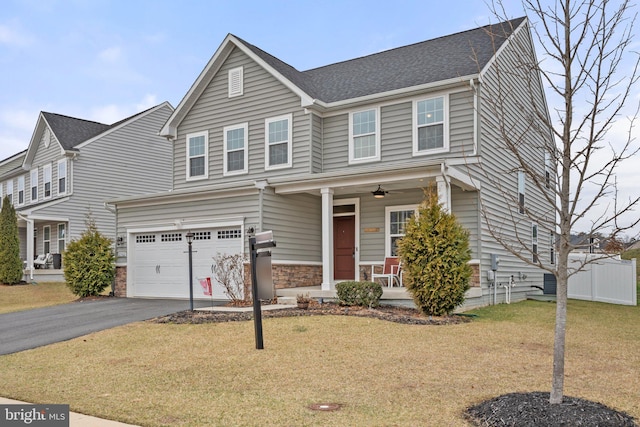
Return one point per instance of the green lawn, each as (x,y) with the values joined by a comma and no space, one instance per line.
(381,373)
(24,297)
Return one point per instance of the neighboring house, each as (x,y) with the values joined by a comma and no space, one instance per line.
(260,145)
(72,166)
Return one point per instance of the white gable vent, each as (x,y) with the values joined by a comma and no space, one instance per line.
(235,82)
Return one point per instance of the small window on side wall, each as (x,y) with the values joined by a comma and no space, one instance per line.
(278,142)
(197,156)
(521,191)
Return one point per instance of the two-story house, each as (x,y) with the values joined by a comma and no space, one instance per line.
(70,168)
(333,160)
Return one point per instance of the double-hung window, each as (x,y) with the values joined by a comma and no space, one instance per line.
(430,130)
(197,155)
(278,141)
(46,239)
(46,178)
(21,190)
(552,248)
(34,185)
(364,136)
(548,166)
(236,149)
(10,190)
(396,219)
(521,190)
(62,176)
(62,233)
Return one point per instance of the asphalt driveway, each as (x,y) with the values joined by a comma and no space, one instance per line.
(29,329)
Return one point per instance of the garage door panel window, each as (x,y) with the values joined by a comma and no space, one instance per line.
(202,235)
(146,238)
(230,234)
(171,237)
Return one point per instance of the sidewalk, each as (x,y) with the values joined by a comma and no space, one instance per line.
(75,419)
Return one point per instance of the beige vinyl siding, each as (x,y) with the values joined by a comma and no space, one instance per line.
(130,160)
(264,97)
(209,211)
(296,221)
(316,144)
(396,133)
(500,165)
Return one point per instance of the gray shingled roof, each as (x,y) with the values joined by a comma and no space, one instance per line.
(71,131)
(443,58)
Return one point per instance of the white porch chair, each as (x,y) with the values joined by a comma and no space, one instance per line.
(391,271)
(43,261)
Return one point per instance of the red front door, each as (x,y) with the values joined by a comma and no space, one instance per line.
(344,247)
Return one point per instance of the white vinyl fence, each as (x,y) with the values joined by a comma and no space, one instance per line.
(609,280)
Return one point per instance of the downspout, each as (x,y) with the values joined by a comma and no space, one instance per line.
(114,211)
(260,185)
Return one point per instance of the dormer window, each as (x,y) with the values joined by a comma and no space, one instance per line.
(236,82)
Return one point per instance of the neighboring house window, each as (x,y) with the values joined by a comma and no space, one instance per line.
(197,155)
(21,190)
(1,196)
(10,190)
(46,178)
(62,176)
(430,126)
(364,136)
(521,190)
(278,142)
(62,232)
(534,242)
(46,238)
(552,247)
(34,185)
(396,218)
(236,83)
(547,169)
(235,149)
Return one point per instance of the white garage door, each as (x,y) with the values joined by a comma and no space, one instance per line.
(160,262)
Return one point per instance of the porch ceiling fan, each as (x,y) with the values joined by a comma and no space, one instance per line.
(379,193)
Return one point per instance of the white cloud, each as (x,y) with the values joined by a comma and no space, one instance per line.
(111,54)
(19,120)
(112,113)
(12,36)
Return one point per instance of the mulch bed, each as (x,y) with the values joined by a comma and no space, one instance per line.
(384,312)
(534,410)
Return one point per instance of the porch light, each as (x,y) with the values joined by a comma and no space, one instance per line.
(189,236)
(379,193)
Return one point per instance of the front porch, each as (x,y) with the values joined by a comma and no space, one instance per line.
(43,275)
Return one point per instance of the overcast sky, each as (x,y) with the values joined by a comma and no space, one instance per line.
(106,60)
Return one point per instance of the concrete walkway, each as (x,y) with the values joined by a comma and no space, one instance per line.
(75,419)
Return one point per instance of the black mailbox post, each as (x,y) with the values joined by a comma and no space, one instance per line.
(257,242)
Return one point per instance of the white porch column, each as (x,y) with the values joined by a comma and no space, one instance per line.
(444,193)
(327,238)
(30,248)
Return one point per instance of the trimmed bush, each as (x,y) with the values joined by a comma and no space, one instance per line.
(10,262)
(366,294)
(89,262)
(435,254)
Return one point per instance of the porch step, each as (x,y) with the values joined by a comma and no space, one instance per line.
(287,300)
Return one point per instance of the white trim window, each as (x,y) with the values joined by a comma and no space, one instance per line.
(552,248)
(236,82)
(62,177)
(396,219)
(548,167)
(534,243)
(197,156)
(431,127)
(10,190)
(34,185)
(236,153)
(46,239)
(21,190)
(278,141)
(521,191)
(62,237)
(46,179)
(364,136)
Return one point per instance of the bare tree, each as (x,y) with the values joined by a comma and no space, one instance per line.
(588,68)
